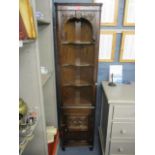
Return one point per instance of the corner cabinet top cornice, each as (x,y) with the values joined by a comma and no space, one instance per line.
(120,94)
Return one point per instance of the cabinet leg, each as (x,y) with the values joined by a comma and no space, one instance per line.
(63,148)
(91,148)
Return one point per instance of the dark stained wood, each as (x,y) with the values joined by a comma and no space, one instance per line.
(75,54)
(77,96)
(77,40)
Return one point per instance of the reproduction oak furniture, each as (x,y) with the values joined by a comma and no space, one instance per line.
(117,123)
(77,30)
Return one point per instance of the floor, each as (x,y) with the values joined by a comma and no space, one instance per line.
(82,150)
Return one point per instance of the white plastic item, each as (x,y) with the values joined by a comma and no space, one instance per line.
(44,70)
(51,132)
(50,138)
(51,129)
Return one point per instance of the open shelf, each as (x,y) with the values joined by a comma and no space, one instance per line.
(77,96)
(78,65)
(77,76)
(77,43)
(43,22)
(77,101)
(78,106)
(45,78)
(78,29)
(79,55)
(27,41)
(78,84)
(78,128)
(37,90)
(27,138)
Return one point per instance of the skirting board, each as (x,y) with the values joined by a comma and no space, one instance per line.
(101,139)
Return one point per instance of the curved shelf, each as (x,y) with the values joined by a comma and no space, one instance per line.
(77,65)
(78,42)
(78,106)
(75,101)
(77,84)
(79,128)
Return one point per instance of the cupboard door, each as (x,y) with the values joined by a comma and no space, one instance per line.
(77,124)
(77,119)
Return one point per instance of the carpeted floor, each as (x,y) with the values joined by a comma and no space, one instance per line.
(82,150)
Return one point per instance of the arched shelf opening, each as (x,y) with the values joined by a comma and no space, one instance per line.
(78,30)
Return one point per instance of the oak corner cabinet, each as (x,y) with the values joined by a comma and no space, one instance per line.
(77,28)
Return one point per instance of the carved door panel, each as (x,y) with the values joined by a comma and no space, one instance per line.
(78,124)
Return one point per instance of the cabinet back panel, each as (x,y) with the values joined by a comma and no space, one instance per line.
(74,95)
(77,29)
(73,75)
(73,54)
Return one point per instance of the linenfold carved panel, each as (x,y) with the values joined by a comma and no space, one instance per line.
(77,122)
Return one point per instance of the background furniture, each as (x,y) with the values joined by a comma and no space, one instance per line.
(77,34)
(36,88)
(117,126)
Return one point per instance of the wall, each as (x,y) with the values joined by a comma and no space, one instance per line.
(103,69)
(128,68)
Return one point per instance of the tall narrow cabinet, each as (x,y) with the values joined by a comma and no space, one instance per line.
(77,30)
